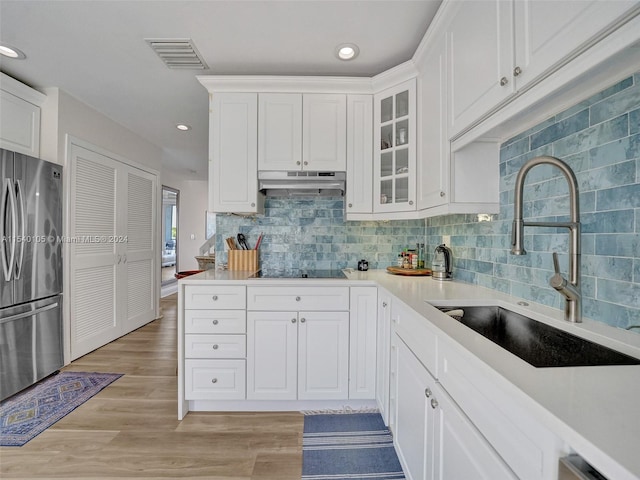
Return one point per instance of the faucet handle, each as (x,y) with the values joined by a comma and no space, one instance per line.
(556,265)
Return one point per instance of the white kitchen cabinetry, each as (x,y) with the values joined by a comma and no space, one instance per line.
(362,340)
(297,355)
(394,184)
(383,353)
(298,343)
(112,216)
(233,162)
(215,342)
(359,190)
(19,116)
(302,132)
(498,48)
(433,438)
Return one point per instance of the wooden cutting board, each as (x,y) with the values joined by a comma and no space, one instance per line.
(410,272)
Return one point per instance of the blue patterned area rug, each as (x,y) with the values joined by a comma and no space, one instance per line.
(348,446)
(32,411)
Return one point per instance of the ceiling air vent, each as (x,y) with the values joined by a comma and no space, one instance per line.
(178,53)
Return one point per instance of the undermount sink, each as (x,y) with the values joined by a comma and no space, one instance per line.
(537,343)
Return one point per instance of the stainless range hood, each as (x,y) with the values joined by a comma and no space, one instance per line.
(301,183)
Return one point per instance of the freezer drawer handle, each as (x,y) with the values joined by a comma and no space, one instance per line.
(30,313)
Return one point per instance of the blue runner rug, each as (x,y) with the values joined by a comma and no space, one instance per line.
(32,411)
(348,446)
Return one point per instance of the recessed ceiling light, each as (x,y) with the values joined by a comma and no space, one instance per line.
(347,51)
(183,127)
(11,52)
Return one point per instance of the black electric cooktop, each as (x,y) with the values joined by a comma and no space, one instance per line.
(300,273)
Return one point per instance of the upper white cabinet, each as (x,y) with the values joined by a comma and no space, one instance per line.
(302,132)
(359,194)
(233,162)
(394,171)
(280,131)
(497,48)
(19,116)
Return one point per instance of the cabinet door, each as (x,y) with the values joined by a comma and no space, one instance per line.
(324,132)
(280,131)
(323,355)
(549,33)
(359,194)
(272,353)
(20,122)
(413,432)
(362,340)
(233,170)
(480,44)
(394,188)
(383,355)
(433,167)
(462,452)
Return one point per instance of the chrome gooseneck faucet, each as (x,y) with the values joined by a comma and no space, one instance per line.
(571,289)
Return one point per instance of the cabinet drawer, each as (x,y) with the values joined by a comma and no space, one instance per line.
(298,298)
(215,296)
(215,379)
(215,321)
(215,346)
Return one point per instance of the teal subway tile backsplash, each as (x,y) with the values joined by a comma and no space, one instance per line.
(310,232)
(600,139)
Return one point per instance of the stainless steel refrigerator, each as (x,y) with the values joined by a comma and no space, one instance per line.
(31,343)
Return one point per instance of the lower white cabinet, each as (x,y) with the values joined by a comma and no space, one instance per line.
(383,340)
(297,355)
(207,379)
(433,438)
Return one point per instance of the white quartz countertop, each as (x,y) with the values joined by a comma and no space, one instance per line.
(596,410)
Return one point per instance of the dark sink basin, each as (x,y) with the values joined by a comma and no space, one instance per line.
(537,343)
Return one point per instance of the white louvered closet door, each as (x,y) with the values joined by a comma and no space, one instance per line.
(139,256)
(93,262)
(112,286)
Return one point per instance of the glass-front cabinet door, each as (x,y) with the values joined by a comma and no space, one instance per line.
(394,188)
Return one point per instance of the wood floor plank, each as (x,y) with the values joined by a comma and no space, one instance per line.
(130,429)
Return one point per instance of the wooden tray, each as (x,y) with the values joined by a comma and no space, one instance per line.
(411,272)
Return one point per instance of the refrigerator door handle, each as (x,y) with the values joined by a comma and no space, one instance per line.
(7,192)
(23,221)
(30,313)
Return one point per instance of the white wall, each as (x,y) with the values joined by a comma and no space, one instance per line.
(191,216)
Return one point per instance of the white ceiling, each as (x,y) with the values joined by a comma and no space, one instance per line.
(95,51)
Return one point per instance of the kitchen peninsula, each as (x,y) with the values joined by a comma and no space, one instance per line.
(516,418)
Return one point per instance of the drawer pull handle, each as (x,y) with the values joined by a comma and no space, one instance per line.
(297,299)
(427,392)
(214,380)
(434,403)
(215,346)
(215,322)
(302,320)
(293,320)
(214,298)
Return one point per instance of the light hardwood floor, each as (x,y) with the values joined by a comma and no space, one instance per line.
(130,429)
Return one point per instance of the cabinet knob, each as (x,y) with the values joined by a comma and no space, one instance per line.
(297,299)
(503,81)
(350,205)
(214,298)
(384,304)
(215,346)
(293,320)
(410,202)
(517,71)
(253,204)
(214,380)
(215,322)
(442,194)
(302,320)
(434,403)
(306,163)
(427,392)
(298,162)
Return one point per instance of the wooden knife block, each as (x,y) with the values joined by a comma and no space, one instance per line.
(243,260)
